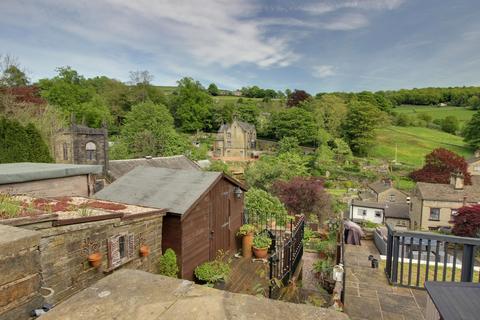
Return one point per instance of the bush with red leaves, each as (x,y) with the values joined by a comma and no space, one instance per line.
(304,196)
(439,165)
(296,97)
(28,94)
(467,222)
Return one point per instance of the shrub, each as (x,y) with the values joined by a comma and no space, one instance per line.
(467,221)
(262,241)
(262,206)
(245,229)
(213,271)
(323,266)
(168,264)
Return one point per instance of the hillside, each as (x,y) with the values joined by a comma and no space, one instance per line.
(414,143)
(461,113)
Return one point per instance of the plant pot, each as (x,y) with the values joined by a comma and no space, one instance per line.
(95,259)
(220,285)
(322,255)
(260,253)
(144,251)
(247,241)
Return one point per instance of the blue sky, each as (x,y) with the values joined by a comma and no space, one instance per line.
(317,45)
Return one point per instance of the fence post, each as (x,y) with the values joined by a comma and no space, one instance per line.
(270,260)
(468,260)
(388,266)
(396,244)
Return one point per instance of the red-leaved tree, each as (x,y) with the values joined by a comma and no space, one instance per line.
(467,221)
(439,165)
(296,97)
(304,196)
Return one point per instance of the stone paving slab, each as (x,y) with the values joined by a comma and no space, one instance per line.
(368,295)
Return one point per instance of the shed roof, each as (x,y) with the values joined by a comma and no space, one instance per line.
(118,168)
(391,209)
(446,192)
(455,300)
(176,190)
(30,171)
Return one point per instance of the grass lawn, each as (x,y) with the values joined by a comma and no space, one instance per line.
(461,113)
(414,143)
(423,272)
(337,192)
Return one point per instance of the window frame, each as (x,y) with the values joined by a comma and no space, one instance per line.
(438,214)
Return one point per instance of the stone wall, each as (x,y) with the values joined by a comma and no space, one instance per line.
(19,273)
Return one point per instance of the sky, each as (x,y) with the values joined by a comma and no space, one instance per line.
(316,45)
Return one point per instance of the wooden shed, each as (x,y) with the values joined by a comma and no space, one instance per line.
(204,209)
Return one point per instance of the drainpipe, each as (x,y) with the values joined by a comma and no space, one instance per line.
(464,201)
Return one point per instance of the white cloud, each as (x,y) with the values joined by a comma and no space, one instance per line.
(322,7)
(349,21)
(323,71)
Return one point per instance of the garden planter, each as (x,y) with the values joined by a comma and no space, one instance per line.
(220,285)
(144,251)
(247,241)
(322,255)
(95,260)
(260,253)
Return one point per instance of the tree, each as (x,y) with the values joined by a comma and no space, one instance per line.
(304,196)
(148,130)
(288,144)
(11,74)
(21,143)
(439,166)
(262,206)
(248,113)
(297,96)
(474,102)
(213,89)
(449,124)
(471,131)
(294,122)
(192,106)
(262,173)
(359,126)
(330,111)
(467,222)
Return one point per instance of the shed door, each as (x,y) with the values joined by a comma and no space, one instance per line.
(220,222)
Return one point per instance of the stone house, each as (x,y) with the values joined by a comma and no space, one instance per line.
(474,165)
(396,214)
(44,250)
(82,145)
(383,191)
(48,179)
(204,210)
(433,205)
(237,139)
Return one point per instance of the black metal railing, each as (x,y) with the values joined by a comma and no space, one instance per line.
(414,257)
(285,257)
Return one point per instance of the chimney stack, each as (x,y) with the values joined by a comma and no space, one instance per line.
(457,181)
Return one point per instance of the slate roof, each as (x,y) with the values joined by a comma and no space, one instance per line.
(379,186)
(31,171)
(244,125)
(446,192)
(176,190)
(118,168)
(392,210)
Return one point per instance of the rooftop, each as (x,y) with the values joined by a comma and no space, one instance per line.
(392,209)
(30,171)
(380,186)
(118,168)
(447,192)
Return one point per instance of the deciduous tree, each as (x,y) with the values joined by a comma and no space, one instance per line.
(467,221)
(294,122)
(471,131)
(297,96)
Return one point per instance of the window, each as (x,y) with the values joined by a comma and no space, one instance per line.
(121,249)
(121,246)
(435,214)
(229,135)
(229,143)
(378,213)
(362,212)
(476,168)
(65,151)
(91,149)
(391,198)
(454,212)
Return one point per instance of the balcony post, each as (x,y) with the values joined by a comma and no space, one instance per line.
(468,261)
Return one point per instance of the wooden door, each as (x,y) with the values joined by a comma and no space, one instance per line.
(220,222)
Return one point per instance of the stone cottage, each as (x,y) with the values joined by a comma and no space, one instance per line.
(383,191)
(237,140)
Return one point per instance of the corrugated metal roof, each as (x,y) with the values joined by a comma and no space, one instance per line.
(30,171)
(118,168)
(176,190)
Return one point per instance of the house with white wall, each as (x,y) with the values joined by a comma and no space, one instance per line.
(396,214)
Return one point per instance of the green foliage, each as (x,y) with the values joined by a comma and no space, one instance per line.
(330,111)
(191,106)
(449,124)
(219,166)
(359,126)
(288,144)
(471,131)
(213,89)
(245,229)
(323,266)
(285,166)
(21,143)
(9,206)
(294,122)
(167,265)
(213,271)
(308,234)
(262,241)
(368,224)
(474,102)
(148,130)
(263,206)
(248,113)
(12,76)
(328,247)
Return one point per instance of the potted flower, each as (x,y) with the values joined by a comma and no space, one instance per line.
(95,259)
(144,250)
(92,250)
(261,243)
(246,231)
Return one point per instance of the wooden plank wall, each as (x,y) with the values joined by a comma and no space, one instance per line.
(172,236)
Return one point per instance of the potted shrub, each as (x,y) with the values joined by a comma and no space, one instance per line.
(212,272)
(95,259)
(144,250)
(261,243)
(246,232)
(167,265)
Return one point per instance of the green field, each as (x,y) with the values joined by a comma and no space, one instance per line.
(413,143)
(462,114)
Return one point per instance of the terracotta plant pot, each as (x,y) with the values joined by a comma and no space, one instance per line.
(95,259)
(260,253)
(247,241)
(144,251)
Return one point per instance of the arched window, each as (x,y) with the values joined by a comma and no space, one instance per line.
(91,149)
